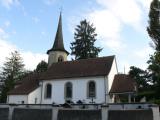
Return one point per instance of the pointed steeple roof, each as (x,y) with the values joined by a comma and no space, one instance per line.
(58,42)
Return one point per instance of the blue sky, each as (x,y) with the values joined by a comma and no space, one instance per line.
(29,26)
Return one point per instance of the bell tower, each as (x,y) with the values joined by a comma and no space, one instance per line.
(57,53)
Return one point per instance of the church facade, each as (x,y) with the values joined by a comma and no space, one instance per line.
(86,80)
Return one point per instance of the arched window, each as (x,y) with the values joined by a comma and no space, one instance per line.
(68,91)
(91,89)
(60,59)
(48,91)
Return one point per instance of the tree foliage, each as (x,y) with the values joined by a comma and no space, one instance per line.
(154,23)
(85,37)
(141,77)
(154,68)
(143,80)
(154,32)
(41,67)
(12,71)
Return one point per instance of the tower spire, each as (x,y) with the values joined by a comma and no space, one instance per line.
(58,42)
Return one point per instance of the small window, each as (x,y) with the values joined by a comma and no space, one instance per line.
(91,89)
(22,102)
(48,91)
(60,59)
(68,91)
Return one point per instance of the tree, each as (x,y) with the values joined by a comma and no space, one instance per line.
(154,68)
(143,80)
(154,24)
(141,77)
(85,37)
(41,67)
(154,32)
(12,71)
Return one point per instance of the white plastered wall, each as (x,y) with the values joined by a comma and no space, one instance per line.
(17,99)
(36,94)
(112,73)
(53,57)
(79,90)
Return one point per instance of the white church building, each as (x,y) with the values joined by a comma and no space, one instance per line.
(88,80)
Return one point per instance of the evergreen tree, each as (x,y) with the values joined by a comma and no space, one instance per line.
(154,69)
(12,71)
(41,67)
(154,32)
(85,37)
(154,24)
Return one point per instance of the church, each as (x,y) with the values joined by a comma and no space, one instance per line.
(91,81)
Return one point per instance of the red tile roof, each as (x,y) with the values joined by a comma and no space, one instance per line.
(28,84)
(79,68)
(123,83)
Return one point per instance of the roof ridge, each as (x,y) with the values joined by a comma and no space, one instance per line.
(85,59)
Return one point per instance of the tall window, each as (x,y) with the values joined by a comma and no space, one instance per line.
(68,91)
(60,59)
(91,89)
(48,92)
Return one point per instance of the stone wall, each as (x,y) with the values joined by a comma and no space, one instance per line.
(32,114)
(4,113)
(79,115)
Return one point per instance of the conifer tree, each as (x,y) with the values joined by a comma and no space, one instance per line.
(85,37)
(154,32)
(12,71)
(154,24)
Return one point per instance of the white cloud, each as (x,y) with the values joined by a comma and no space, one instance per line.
(111,19)
(128,11)
(5,49)
(49,2)
(108,28)
(145,3)
(102,20)
(30,59)
(9,3)
(143,53)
